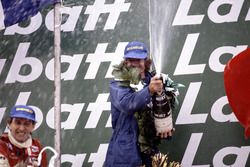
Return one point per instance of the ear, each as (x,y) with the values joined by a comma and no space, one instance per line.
(8,124)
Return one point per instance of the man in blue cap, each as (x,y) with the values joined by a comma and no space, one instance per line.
(17,147)
(127,99)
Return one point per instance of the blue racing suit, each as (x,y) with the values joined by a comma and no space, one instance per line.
(123,150)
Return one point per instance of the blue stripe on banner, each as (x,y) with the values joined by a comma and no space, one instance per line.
(1,17)
(16,11)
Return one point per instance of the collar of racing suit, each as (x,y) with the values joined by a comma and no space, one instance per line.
(25,144)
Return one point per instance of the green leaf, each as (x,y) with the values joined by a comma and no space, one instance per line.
(123,73)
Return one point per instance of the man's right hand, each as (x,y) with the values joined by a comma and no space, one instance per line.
(155,85)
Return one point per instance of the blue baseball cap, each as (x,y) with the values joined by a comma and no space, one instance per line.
(136,50)
(23,111)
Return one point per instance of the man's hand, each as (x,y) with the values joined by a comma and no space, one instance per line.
(164,126)
(165,134)
(155,85)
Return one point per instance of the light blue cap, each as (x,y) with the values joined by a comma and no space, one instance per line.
(23,111)
(136,50)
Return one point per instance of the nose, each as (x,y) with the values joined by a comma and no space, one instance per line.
(22,127)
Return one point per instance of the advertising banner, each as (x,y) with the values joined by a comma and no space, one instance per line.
(189,40)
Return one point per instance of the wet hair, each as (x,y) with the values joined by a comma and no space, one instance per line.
(148,63)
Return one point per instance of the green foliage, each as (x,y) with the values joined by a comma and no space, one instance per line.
(147,132)
(126,75)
